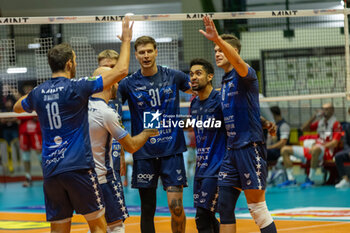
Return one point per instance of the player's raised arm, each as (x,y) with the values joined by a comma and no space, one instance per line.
(17,107)
(231,53)
(121,69)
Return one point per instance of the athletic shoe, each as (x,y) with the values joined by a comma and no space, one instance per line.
(27,183)
(287,183)
(308,183)
(275,175)
(343,184)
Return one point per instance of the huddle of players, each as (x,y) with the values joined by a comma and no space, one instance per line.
(229,159)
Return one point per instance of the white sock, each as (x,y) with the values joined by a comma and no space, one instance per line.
(312,173)
(116,228)
(290,173)
(28,176)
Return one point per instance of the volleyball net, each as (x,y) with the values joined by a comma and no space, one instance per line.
(301,56)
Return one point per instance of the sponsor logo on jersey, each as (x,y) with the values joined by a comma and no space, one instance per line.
(222,174)
(140,88)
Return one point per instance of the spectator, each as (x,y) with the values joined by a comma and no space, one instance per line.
(329,133)
(281,139)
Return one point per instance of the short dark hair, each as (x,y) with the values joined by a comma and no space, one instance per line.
(207,66)
(276,110)
(232,40)
(143,40)
(58,56)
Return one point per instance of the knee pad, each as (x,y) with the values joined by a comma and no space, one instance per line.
(227,203)
(260,214)
(25,156)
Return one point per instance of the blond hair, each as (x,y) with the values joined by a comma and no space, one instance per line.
(108,53)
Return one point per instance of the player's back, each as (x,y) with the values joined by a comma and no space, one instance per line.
(102,121)
(61,105)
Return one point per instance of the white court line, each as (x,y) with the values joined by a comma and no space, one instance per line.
(307,227)
(128,224)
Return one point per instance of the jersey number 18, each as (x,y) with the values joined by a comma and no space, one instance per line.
(53,114)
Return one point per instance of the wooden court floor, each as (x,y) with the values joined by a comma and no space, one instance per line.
(35,223)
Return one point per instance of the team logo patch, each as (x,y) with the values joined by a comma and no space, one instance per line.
(153,140)
(92,78)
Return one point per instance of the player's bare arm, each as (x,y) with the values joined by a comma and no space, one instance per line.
(133,144)
(121,69)
(122,162)
(230,52)
(18,105)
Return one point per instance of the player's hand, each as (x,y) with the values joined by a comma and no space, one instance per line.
(271,127)
(210,30)
(126,29)
(152,132)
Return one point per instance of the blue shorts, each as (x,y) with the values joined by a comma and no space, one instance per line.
(171,170)
(244,168)
(74,190)
(113,195)
(206,193)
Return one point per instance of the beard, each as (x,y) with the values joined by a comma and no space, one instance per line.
(198,87)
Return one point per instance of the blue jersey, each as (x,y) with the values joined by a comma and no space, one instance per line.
(116,104)
(210,142)
(240,105)
(159,92)
(62,108)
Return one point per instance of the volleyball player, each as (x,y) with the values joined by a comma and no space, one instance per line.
(70,182)
(154,91)
(103,126)
(244,165)
(109,58)
(210,143)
